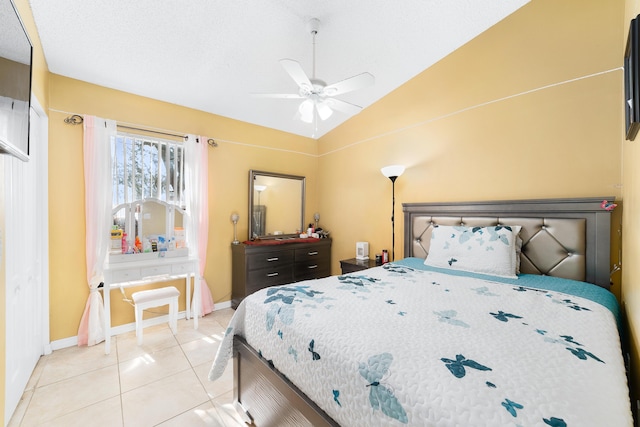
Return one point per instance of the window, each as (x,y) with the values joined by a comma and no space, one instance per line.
(147,168)
(148,189)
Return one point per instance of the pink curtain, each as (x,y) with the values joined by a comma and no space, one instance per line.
(197,201)
(97,195)
(203,223)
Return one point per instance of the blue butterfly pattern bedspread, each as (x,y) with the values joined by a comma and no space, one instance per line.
(404,344)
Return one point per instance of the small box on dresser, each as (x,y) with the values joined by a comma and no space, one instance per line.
(256,266)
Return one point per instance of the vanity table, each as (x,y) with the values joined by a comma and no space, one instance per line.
(145,268)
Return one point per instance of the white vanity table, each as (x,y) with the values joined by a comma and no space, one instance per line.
(145,268)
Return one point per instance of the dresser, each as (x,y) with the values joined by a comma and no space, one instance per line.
(257,266)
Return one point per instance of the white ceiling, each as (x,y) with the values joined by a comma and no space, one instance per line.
(211,55)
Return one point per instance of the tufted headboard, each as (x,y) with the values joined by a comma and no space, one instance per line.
(567,238)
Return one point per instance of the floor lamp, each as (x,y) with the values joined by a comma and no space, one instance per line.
(393,172)
(259,231)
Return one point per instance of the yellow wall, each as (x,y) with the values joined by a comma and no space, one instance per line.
(530,109)
(241,147)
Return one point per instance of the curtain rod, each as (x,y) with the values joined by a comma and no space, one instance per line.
(152,131)
(76,119)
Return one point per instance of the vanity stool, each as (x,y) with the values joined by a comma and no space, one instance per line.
(156,298)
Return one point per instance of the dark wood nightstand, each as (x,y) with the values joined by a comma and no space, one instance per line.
(352,264)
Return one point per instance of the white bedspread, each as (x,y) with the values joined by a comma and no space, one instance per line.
(394,346)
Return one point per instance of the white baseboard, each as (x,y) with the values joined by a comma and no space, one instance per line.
(222,305)
(117,330)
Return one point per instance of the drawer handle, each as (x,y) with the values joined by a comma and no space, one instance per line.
(272,259)
(313,253)
(272,274)
(311,267)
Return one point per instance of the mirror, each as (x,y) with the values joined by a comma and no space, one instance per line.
(147,221)
(276,205)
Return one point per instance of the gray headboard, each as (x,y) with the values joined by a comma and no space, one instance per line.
(567,238)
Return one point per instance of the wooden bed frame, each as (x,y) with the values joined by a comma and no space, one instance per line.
(561,237)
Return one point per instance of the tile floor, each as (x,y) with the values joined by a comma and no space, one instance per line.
(161,383)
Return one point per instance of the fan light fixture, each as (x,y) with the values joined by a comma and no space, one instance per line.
(317,96)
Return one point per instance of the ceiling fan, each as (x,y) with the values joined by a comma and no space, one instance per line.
(318,97)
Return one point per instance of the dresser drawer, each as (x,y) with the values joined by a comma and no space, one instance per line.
(269,259)
(277,275)
(311,270)
(312,254)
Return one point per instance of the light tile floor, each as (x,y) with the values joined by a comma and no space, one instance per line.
(161,383)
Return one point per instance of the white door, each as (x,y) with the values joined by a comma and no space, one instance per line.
(25,248)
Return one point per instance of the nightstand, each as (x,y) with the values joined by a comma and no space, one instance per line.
(352,264)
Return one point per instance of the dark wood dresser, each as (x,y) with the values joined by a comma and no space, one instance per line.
(257,266)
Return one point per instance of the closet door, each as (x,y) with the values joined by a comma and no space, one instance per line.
(25,252)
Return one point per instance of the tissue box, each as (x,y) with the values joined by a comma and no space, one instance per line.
(362,250)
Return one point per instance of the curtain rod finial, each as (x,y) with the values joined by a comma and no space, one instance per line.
(74,119)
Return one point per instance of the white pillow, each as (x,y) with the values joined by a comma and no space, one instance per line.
(486,250)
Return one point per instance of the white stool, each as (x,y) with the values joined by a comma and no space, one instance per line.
(156,298)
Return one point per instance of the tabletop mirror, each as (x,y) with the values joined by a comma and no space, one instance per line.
(144,221)
(276,205)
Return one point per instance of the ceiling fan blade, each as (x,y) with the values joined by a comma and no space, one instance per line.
(350,84)
(343,106)
(277,95)
(296,72)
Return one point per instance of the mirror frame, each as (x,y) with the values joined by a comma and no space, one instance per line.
(253,174)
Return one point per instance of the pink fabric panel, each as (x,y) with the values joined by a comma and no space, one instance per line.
(83,329)
(97,184)
(90,239)
(203,227)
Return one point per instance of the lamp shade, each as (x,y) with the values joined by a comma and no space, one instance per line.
(324,111)
(235,217)
(259,188)
(306,111)
(392,171)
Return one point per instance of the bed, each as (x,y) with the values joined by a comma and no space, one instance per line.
(445,344)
